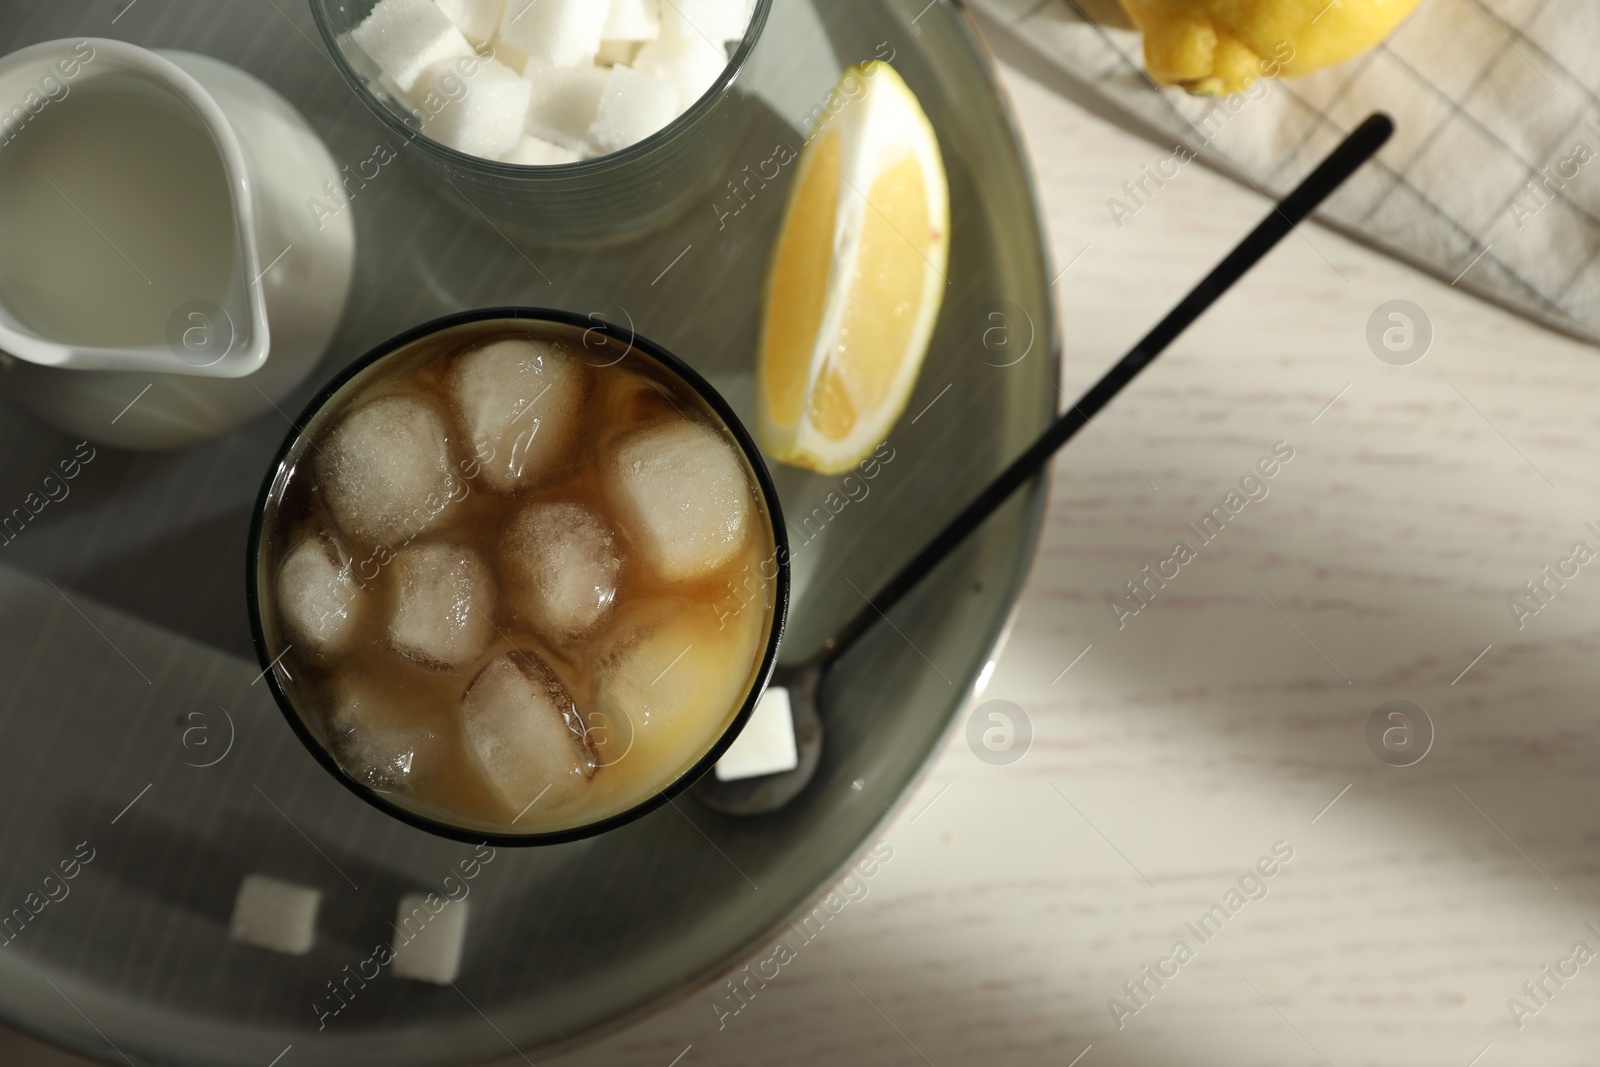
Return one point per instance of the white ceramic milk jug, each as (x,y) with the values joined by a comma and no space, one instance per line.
(161,278)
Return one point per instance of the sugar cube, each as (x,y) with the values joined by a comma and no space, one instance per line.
(711,20)
(616,53)
(565,33)
(275,915)
(432,932)
(766,744)
(632,107)
(392,87)
(633,20)
(476,19)
(534,151)
(487,120)
(515,58)
(439,87)
(690,65)
(565,102)
(406,37)
(364,65)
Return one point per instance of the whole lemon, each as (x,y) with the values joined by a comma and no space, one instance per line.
(1221,46)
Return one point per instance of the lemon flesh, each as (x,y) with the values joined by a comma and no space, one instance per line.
(857,278)
(1221,46)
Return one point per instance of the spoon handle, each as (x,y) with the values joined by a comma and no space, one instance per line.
(1357,148)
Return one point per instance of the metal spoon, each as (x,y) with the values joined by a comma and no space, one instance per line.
(803,681)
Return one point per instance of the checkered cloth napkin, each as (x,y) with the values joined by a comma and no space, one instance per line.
(1492,180)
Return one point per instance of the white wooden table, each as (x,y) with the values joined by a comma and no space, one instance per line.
(1231,713)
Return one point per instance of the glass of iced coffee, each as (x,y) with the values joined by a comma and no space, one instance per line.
(518,576)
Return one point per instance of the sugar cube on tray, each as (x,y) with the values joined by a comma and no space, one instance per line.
(275,915)
(563,79)
(430,942)
(766,745)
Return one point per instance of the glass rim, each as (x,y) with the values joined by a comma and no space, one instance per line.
(764,483)
(622,157)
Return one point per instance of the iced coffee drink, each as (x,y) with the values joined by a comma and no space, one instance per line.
(518,577)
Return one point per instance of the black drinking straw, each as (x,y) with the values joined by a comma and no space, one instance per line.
(1360,146)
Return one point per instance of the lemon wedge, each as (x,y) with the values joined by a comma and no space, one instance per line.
(857,276)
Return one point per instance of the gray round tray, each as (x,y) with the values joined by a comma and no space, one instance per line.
(132,727)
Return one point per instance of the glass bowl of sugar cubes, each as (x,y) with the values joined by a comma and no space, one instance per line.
(570,118)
